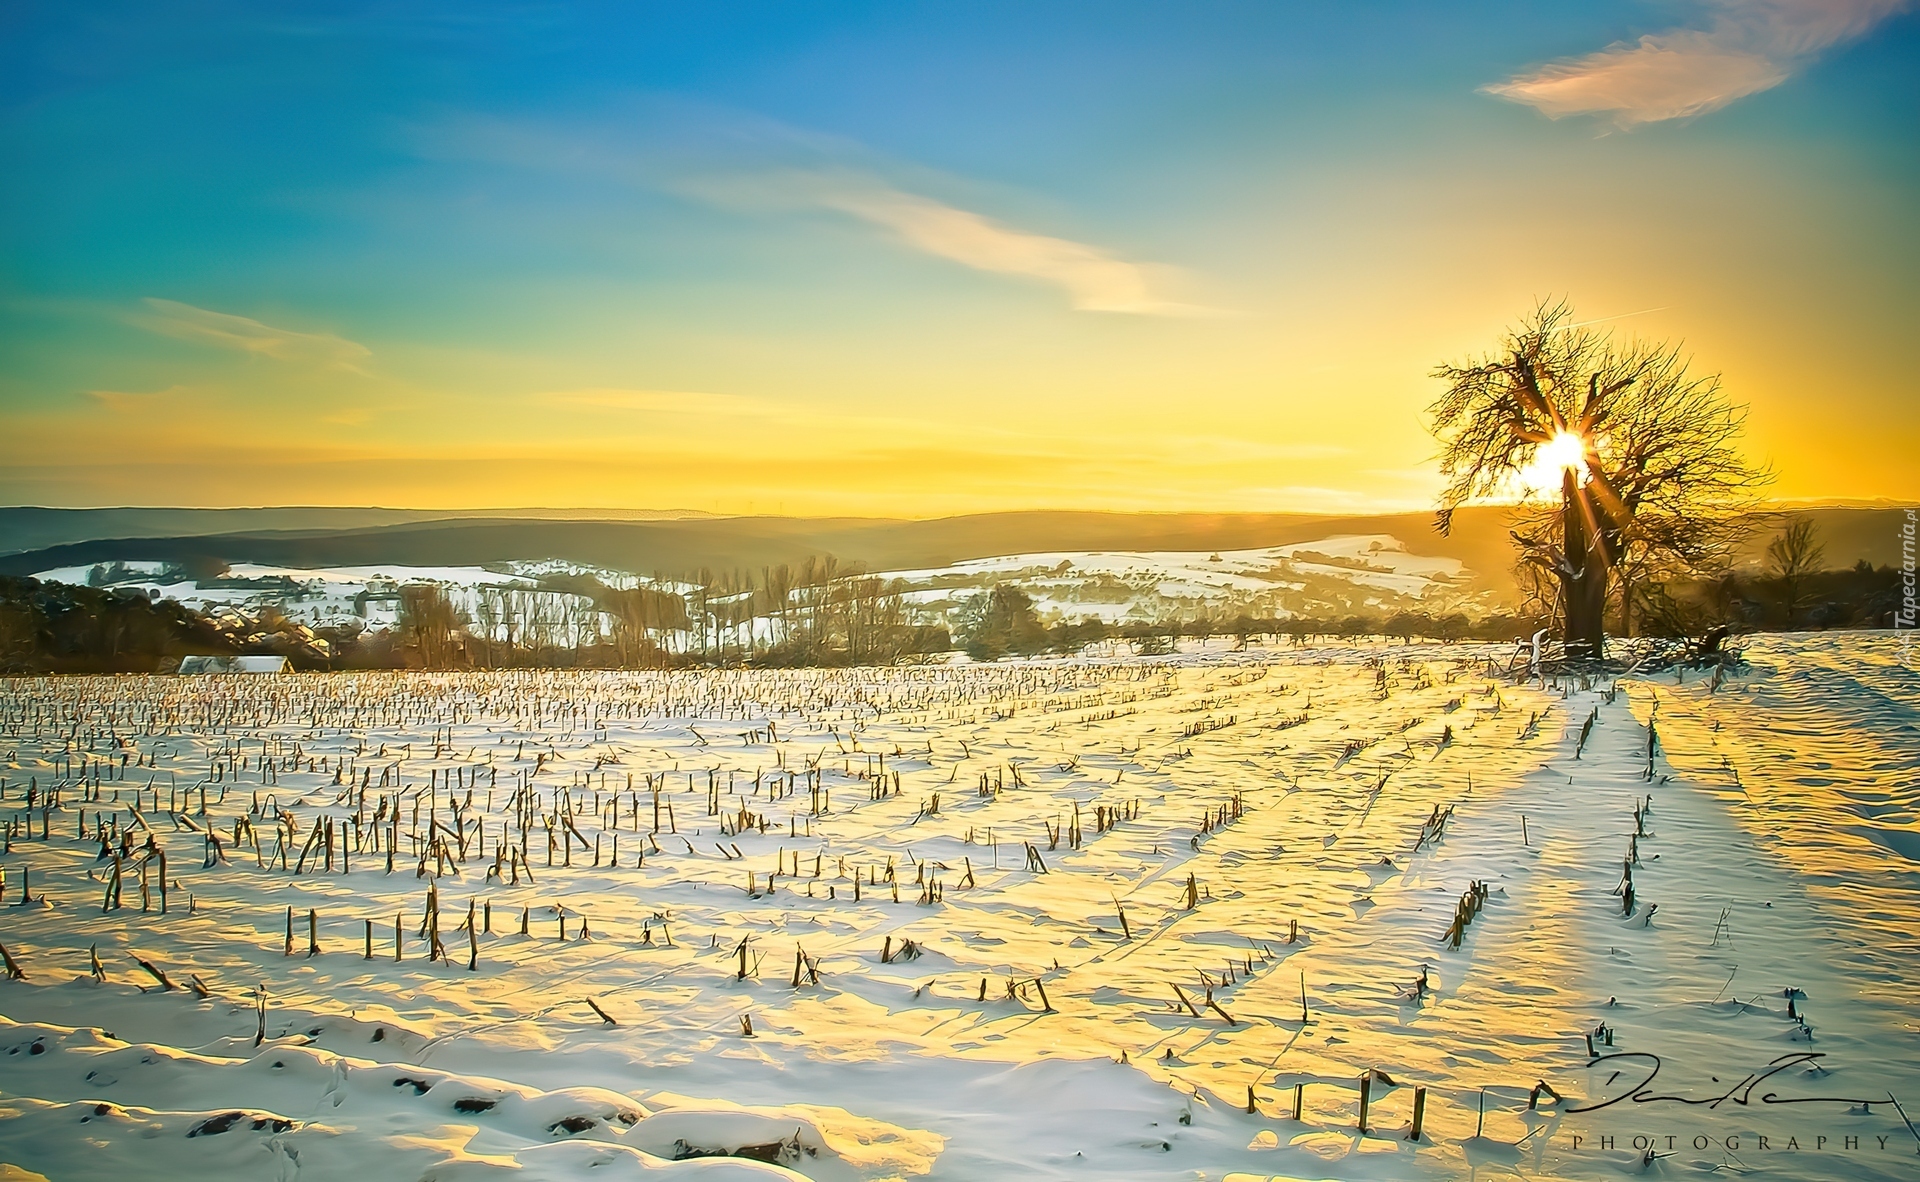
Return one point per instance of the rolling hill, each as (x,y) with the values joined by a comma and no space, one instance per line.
(317,538)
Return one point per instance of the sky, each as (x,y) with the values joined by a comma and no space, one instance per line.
(916,259)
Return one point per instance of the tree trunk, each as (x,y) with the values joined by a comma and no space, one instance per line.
(1584,586)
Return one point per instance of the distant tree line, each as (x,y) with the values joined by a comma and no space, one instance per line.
(1860,596)
(1791,589)
(817,613)
(1005,622)
(56,628)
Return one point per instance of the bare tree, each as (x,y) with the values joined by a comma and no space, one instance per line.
(430,622)
(1649,479)
(1791,556)
(486,612)
(779,584)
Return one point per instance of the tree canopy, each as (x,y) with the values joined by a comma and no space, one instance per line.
(1623,461)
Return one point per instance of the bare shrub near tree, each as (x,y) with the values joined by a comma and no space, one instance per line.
(1791,557)
(1664,488)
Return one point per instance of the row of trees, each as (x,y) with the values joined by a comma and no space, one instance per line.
(816,613)
(1005,622)
(1860,596)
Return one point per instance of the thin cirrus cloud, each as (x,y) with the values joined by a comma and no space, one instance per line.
(755,166)
(1093,279)
(243,334)
(1748,46)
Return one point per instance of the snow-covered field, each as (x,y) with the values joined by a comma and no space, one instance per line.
(1332,576)
(1050,920)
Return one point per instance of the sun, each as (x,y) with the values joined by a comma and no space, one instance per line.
(1565,451)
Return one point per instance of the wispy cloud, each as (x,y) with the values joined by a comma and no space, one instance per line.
(756,166)
(1095,280)
(242,334)
(1746,47)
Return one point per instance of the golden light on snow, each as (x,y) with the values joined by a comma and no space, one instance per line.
(1214,897)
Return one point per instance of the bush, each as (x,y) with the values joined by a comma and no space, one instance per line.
(1005,624)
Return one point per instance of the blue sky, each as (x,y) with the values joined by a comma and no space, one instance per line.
(921,258)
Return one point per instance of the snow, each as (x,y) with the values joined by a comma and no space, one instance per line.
(1372,570)
(360,576)
(1781,802)
(78,575)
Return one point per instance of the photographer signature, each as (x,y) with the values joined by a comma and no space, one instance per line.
(1638,1090)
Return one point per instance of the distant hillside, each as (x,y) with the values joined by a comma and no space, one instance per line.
(1479,540)
(31,527)
(749,543)
(1849,533)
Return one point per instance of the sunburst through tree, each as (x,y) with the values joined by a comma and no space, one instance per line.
(1623,464)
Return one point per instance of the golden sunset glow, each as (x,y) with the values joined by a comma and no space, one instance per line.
(1566,451)
(685,284)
